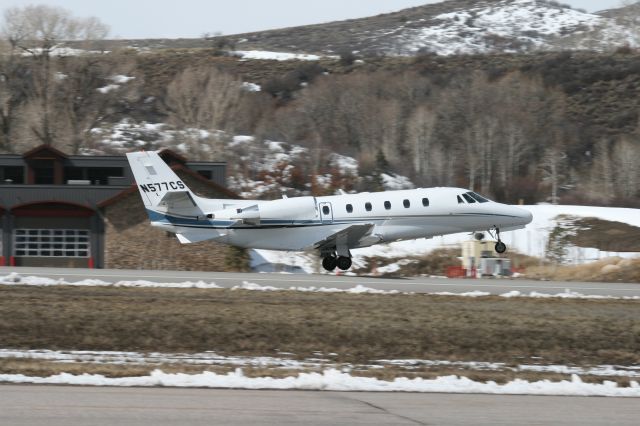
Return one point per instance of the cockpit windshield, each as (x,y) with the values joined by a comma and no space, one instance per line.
(468,197)
(471,198)
(478,198)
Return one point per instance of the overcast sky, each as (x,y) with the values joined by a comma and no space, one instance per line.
(192,18)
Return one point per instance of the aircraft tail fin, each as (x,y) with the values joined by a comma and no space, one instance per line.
(160,188)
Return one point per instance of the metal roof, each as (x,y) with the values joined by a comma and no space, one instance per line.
(88,195)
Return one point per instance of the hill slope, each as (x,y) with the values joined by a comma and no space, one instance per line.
(455,26)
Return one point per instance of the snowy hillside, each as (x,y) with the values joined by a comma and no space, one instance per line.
(511,26)
(457,27)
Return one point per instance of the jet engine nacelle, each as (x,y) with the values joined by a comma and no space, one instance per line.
(287,209)
(299,208)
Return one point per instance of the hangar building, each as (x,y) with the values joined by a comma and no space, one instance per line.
(85,211)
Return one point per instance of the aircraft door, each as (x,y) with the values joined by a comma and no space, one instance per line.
(326,212)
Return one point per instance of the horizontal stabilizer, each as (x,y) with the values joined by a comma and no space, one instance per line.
(177,200)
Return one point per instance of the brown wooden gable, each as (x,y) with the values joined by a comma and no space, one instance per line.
(45,157)
(44,152)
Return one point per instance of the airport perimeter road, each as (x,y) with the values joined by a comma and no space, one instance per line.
(418,285)
(75,406)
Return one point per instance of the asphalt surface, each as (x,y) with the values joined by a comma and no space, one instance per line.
(80,406)
(417,285)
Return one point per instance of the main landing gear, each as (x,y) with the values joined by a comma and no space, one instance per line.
(331,261)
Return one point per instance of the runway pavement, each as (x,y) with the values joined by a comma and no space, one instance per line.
(74,406)
(418,285)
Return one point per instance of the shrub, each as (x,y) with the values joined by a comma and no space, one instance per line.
(347,57)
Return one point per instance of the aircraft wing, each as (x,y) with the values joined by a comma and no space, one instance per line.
(196,237)
(348,236)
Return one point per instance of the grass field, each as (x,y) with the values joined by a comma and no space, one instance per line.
(357,328)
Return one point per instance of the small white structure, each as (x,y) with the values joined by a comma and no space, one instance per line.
(479,259)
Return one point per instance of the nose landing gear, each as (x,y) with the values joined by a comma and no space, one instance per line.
(500,247)
(331,261)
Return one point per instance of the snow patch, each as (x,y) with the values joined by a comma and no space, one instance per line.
(275,56)
(251,87)
(17,279)
(121,79)
(108,88)
(393,182)
(334,380)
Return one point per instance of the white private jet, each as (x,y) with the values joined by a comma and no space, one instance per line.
(331,225)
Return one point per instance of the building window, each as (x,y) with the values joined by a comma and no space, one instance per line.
(74,173)
(349,208)
(367,207)
(425,202)
(387,205)
(406,204)
(51,242)
(13,174)
(43,172)
(101,175)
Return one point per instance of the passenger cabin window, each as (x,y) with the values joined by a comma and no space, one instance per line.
(460,200)
(387,205)
(349,208)
(406,204)
(425,202)
(469,198)
(325,210)
(367,207)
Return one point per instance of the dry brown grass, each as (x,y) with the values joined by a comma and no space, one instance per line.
(358,328)
(613,269)
(606,235)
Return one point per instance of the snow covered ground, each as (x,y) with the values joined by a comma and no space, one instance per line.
(289,362)
(335,380)
(275,56)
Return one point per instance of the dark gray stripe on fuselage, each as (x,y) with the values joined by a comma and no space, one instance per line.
(335,222)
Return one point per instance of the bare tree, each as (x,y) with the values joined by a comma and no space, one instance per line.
(553,170)
(15,81)
(88,91)
(39,31)
(421,129)
(204,98)
(625,160)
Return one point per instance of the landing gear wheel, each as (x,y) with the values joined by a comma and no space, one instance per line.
(329,263)
(500,247)
(344,263)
